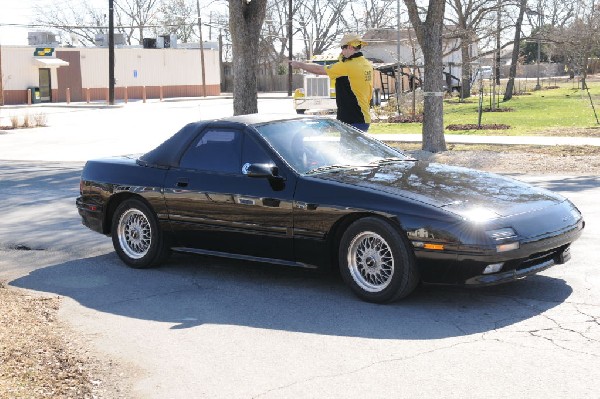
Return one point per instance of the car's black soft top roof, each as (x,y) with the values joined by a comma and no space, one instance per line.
(260,119)
(169,152)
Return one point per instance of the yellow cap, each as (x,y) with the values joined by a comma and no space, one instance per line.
(352,39)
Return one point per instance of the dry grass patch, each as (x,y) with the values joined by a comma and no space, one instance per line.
(37,357)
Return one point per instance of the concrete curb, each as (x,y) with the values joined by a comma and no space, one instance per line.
(121,103)
(500,140)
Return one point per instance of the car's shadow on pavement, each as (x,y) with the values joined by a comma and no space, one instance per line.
(190,291)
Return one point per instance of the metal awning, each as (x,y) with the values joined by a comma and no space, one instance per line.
(49,62)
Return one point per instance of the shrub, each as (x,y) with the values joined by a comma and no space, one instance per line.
(27,121)
(40,119)
(406,101)
(400,110)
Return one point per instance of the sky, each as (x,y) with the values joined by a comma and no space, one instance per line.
(22,12)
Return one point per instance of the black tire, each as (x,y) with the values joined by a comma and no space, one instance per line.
(376,262)
(136,235)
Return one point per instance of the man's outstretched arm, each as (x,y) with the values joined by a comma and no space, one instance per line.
(309,67)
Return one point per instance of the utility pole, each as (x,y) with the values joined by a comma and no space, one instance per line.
(496,68)
(498,41)
(201,50)
(398,75)
(221,69)
(290,53)
(539,53)
(111,53)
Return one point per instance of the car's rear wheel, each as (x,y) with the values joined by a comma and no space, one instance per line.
(136,235)
(375,261)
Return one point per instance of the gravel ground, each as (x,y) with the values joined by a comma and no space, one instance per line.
(567,160)
(40,357)
(515,163)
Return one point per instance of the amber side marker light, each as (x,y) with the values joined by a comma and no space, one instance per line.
(437,247)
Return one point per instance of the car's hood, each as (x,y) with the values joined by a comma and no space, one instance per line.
(468,192)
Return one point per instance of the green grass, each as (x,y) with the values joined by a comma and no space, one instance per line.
(548,111)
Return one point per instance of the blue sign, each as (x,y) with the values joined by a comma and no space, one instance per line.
(135,73)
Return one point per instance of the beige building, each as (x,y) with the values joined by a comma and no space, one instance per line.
(48,74)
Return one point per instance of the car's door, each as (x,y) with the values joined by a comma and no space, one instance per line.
(214,206)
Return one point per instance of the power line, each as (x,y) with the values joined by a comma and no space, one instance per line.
(96,26)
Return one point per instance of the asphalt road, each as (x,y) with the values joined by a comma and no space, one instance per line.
(205,327)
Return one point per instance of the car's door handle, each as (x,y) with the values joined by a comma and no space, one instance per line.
(182,182)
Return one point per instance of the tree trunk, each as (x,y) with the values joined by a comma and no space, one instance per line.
(429,35)
(510,85)
(465,79)
(585,62)
(245,22)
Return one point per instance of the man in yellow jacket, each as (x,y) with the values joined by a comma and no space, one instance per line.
(353,76)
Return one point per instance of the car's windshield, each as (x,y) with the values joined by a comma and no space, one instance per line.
(315,145)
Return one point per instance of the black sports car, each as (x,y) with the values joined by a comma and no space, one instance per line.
(314,192)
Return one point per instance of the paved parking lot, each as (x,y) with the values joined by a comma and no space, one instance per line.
(205,327)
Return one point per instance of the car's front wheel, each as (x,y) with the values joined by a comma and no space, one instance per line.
(136,235)
(375,261)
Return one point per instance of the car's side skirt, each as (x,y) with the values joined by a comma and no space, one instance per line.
(244,257)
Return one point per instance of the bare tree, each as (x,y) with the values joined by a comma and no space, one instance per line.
(275,36)
(429,36)
(321,23)
(558,13)
(512,73)
(177,19)
(467,21)
(138,14)
(555,16)
(579,41)
(218,28)
(369,14)
(245,22)
(79,20)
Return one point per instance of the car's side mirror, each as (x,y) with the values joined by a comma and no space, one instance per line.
(261,170)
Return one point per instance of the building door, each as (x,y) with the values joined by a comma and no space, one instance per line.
(69,77)
(45,92)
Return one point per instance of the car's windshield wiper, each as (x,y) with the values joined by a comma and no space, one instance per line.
(339,167)
(390,160)
(330,168)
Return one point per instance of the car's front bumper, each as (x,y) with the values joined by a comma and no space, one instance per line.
(525,268)
(467,266)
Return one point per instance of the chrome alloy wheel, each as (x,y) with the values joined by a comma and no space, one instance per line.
(135,233)
(370,261)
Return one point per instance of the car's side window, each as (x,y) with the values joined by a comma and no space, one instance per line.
(215,150)
(253,152)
